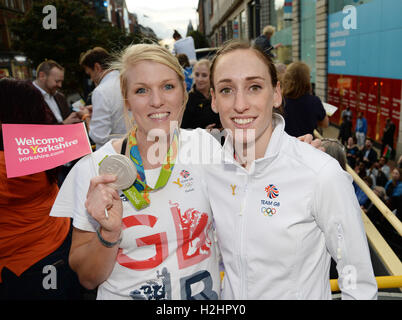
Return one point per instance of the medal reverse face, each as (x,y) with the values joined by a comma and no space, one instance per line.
(122,168)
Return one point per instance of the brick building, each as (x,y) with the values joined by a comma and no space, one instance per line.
(12,63)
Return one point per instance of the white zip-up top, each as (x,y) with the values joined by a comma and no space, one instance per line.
(279,223)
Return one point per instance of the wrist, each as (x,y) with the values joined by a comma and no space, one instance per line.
(108,238)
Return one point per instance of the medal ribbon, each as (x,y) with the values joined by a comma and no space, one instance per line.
(138,193)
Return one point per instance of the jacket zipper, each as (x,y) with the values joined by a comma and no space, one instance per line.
(243,279)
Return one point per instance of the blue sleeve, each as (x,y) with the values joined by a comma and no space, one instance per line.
(387,185)
(398,190)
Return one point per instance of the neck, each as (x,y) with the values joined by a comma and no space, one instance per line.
(103,74)
(41,85)
(205,92)
(248,152)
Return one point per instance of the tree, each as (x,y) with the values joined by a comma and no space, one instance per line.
(200,41)
(78,29)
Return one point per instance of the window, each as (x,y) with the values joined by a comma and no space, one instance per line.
(251,20)
(223,34)
(236,28)
(211,8)
(283,26)
(307,35)
(243,21)
(229,28)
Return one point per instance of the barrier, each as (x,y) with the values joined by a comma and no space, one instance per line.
(386,282)
(392,219)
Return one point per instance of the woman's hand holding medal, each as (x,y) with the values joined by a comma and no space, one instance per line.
(101,195)
(103,203)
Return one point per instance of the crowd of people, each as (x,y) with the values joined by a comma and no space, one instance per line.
(170,234)
(371,166)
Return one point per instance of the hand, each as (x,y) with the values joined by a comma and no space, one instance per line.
(85,111)
(89,109)
(210,127)
(308,138)
(100,196)
(72,118)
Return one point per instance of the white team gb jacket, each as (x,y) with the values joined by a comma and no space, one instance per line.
(279,223)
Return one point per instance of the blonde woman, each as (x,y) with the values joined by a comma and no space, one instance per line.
(198,113)
(157,241)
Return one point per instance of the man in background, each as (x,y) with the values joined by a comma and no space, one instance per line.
(185,46)
(361,130)
(49,79)
(264,41)
(107,118)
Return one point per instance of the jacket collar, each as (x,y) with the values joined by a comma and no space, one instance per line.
(44,93)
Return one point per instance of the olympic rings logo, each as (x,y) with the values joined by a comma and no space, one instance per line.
(268,211)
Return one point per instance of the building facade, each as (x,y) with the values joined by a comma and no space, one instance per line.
(116,12)
(353,48)
(12,63)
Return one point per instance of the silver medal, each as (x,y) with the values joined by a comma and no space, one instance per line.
(120,166)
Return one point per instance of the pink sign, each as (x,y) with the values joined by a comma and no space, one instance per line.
(30,148)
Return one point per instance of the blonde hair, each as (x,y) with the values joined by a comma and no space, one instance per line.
(296,80)
(203,62)
(268,31)
(145,52)
(335,149)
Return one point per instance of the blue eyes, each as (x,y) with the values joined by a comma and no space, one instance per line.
(144,90)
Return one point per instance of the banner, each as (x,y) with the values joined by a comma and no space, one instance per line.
(30,148)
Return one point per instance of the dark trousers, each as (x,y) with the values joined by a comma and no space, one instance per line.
(49,279)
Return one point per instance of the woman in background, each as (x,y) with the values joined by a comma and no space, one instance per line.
(187,69)
(34,247)
(198,113)
(303,111)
